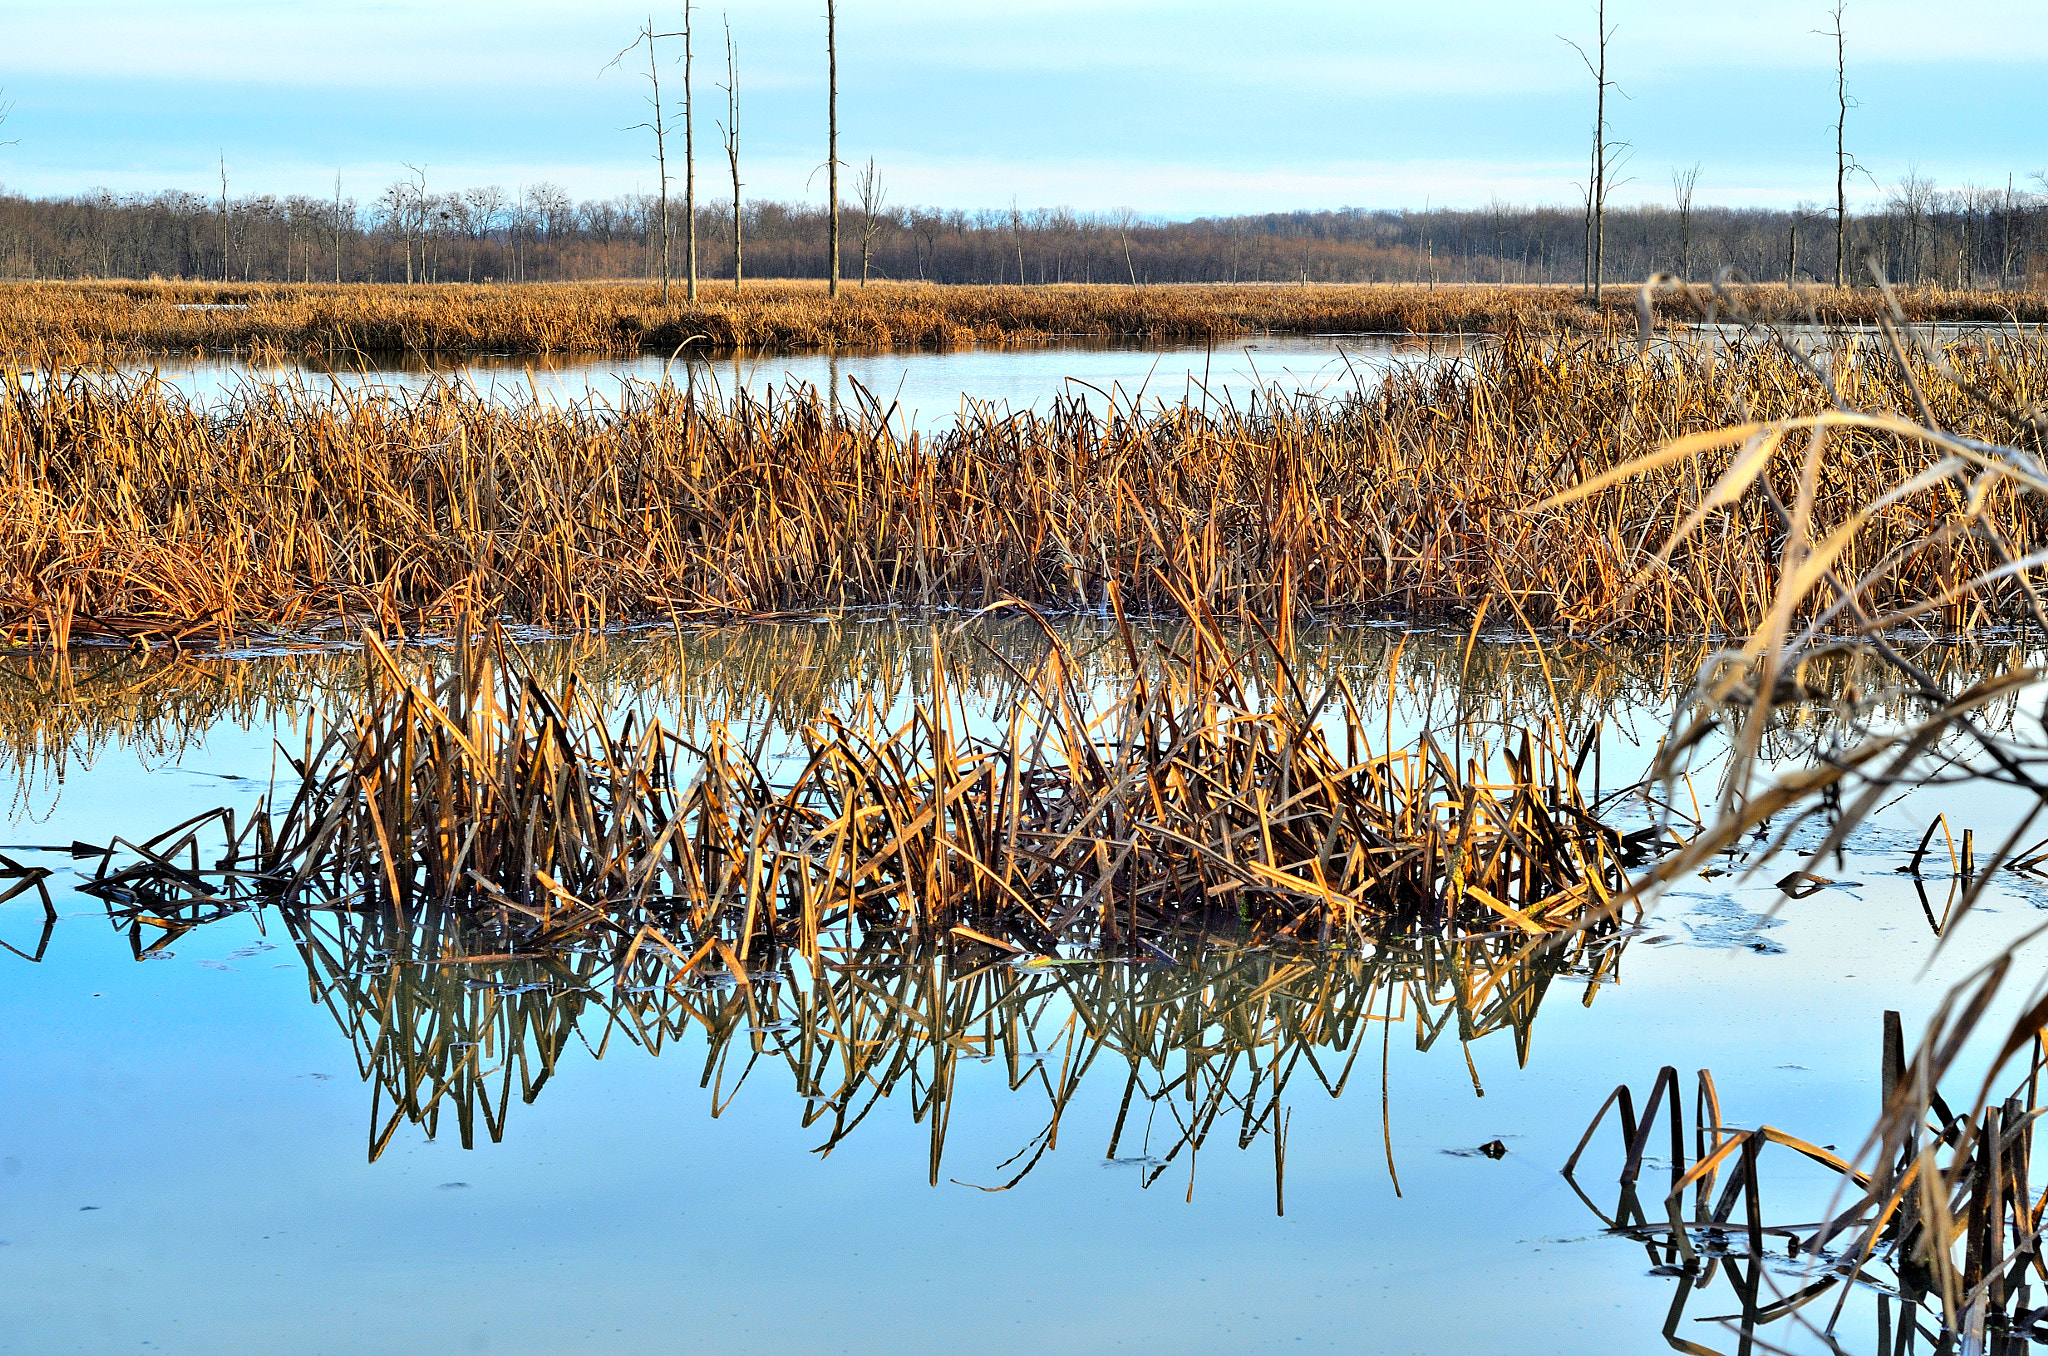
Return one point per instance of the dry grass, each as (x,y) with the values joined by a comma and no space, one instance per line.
(1942,1196)
(127,514)
(85,322)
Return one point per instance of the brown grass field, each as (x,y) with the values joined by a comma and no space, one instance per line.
(129,514)
(87,322)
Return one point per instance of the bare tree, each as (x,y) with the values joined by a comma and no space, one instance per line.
(224,217)
(6,109)
(1683,182)
(1122,218)
(874,200)
(1016,219)
(689,165)
(832,137)
(414,202)
(1844,162)
(482,208)
(337,226)
(658,124)
(729,130)
(1606,155)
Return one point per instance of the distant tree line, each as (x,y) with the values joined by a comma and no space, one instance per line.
(1919,233)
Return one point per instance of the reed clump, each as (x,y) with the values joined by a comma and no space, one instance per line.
(1208,790)
(133,516)
(78,322)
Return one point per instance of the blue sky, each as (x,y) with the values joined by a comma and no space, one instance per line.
(1176,109)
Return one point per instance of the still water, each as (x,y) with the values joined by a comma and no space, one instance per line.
(303,1134)
(920,389)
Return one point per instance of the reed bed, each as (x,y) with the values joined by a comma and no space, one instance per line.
(84,322)
(133,517)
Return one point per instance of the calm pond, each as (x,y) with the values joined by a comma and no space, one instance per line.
(298,1133)
(921,389)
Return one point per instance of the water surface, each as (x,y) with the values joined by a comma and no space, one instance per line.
(304,1134)
(923,389)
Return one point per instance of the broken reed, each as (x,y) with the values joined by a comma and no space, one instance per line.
(130,515)
(86,322)
(1945,1225)
(1207,790)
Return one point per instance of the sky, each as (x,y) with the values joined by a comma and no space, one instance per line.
(1175,109)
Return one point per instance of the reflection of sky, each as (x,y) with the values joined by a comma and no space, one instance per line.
(181,1101)
(924,390)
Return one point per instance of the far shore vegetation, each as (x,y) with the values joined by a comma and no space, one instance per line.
(86,322)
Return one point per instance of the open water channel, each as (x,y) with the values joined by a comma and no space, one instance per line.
(918,389)
(297,1134)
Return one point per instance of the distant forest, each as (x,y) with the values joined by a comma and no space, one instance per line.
(1969,238)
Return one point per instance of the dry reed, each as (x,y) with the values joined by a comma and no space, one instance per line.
(1210,789)
(132,516)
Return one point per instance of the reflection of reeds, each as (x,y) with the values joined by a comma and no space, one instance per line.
(131,516)
(1947,1229)
(1199,1036)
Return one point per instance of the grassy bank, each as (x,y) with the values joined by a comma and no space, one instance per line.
(128,513)
(83,322)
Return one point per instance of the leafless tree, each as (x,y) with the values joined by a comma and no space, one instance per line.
(874,200)
(1123,218)
(729,130)
(1683,182)
(832,137)
(337,226)
(6,109)
(1914,203)
(657,123)
(481,209)
(1606,155)
(1016,220)
(689,165)
(1844,162)
(224,238)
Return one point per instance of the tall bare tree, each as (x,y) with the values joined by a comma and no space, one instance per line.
(1605,156)
(1123,218)
(6,109)
(1844,162)
(689,164)
(729,130)
(832,135)
(224,238)
(648,37)
(1683,182)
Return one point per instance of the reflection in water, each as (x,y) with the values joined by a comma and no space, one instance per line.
(62,714)
(1200,1035)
